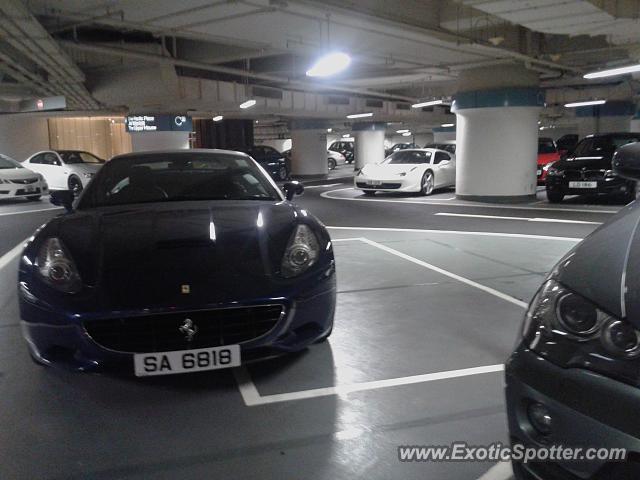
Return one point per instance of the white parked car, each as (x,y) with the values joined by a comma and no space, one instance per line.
(65,169)
(335,159)
(413,170)
(19,182)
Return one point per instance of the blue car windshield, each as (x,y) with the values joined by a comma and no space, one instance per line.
(171,177)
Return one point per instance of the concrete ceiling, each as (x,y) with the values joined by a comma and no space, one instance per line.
(90,50)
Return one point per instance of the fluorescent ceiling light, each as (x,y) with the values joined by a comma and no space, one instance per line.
(248,104)
(406,134)
(360,115)
(404,130)
(614,71)
(585,104)
(445,125)
(329,64)
(217,118)
(427,104)
(346,135)
(329,130)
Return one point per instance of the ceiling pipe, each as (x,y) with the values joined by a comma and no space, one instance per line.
(306,86)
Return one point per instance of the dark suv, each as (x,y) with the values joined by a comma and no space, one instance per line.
(345,148)
(587,170)
(271,160)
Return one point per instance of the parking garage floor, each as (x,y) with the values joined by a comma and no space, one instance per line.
(431,293)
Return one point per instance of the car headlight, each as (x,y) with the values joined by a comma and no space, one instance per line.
(301,253)
(551,170)
(571,331)
(56,267)
(88,175)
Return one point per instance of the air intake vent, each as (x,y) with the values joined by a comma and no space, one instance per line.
(402,106)
(335,100)
(266,92)
(374,103)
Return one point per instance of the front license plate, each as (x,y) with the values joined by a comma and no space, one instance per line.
(184,361)
(30,188)
(583,184)
(374,182)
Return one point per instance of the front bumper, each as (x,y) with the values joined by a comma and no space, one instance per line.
(397,184)
(18,190)
(606,185)
(581,404)
(59,337)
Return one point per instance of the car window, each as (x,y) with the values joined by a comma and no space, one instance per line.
(71,157)
(177,177)
(37,159)
(50,158)
(8,163)
(408,157)
(440,157)
(546,145)
(618,142)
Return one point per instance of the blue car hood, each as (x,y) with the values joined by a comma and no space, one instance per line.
(605,266)
(144,255)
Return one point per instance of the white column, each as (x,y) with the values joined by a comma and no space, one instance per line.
(496,152)
(634,124)
(308,151)
(369,143)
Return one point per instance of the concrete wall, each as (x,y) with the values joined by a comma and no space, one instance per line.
(23,135)
(141,142)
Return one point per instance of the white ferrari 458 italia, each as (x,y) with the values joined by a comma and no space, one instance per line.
(414,170)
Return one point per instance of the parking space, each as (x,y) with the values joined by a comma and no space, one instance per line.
(425,319)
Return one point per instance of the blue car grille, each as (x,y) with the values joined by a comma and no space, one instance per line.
(162,332)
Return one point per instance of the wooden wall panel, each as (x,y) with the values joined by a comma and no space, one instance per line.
(100,136)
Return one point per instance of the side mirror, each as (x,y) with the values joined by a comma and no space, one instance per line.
(62,198)
(626,161)
(292,188)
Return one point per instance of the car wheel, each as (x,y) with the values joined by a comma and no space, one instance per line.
(427,183)
(33,198)
(555,196)
(282,173)
(75,185)
(331,163)
(369,193)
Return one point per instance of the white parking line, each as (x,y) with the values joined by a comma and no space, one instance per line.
(524,219)
(469,204)
(30,211)
(447,273)
(500,471)
(459,232)
(8,257)
(322,186)
(252,397)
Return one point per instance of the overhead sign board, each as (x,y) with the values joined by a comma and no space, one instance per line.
(158,123)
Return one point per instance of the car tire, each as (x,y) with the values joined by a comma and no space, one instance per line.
(75,185)
(331,163)
(34,198)
(427,184)
(368,193)
(555,196)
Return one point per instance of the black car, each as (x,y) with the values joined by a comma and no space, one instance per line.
(447,147)
(271,160)
(574,378)
(399,146)
(173,262)
(587,170)
(345,148)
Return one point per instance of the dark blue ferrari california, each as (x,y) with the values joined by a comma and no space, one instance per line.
(177,261)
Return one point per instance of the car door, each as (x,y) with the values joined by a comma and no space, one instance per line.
(446,169)
(56,171)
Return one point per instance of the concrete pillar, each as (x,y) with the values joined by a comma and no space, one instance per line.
(497,135)
(369,143)
(308,149)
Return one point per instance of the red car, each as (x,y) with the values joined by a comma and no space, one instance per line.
(547,154)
